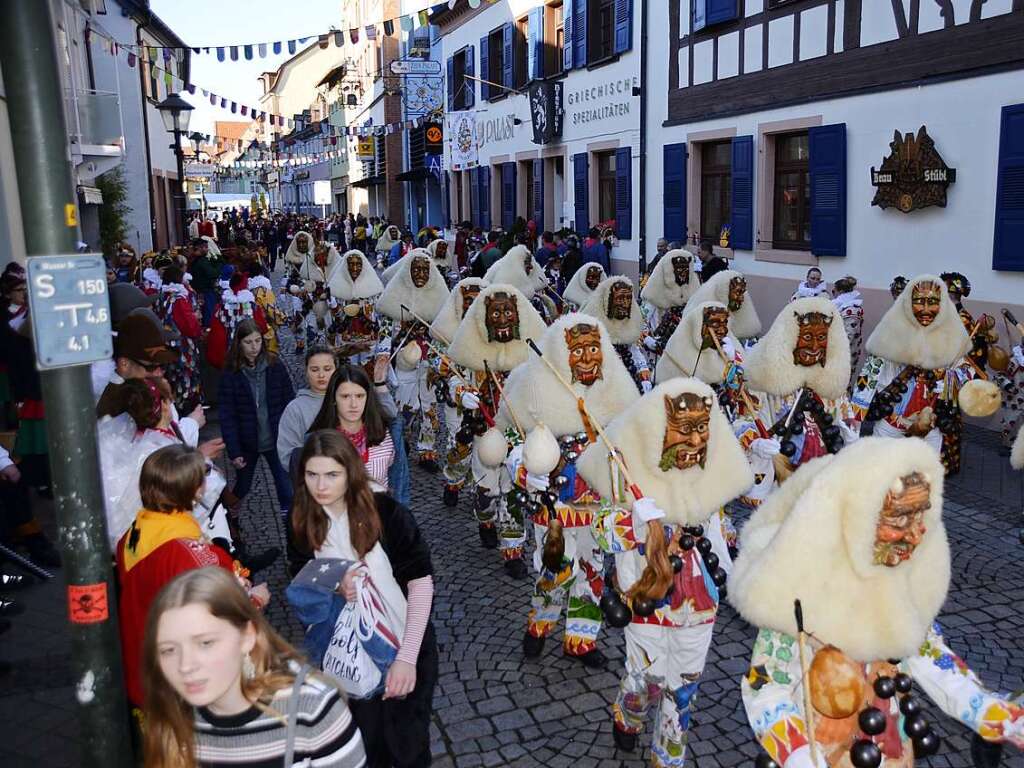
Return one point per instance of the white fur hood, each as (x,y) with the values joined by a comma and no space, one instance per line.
(447,321)
(683,355)
(511,270)
(622,331)
(343,288)
(577,292)
(470,346)
(661,290)
(744,322)
(425,302)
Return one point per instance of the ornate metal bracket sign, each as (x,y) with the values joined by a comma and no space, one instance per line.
(913,176)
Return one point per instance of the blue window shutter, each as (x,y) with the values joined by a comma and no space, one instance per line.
(828,189)
(624,193)
(485,197)
(721,10)
(567,35)
(742,227)
(581,191)
(469,99)
(674,203)
(579,33)
(451,83)
(623,25)
(507,36)
(485,69)
(700,15)
(475,185)
(508,195)
(537,209)
(1008,245)
(535,41)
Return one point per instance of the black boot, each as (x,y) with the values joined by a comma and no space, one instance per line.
(451,497)
(488,537)
(516,568)
(593,659)
(624,741)
(532,646)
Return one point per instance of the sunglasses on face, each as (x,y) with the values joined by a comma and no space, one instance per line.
(149,368)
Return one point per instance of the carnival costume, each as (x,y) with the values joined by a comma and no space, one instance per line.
(800,367)
(614,304)
(850,304)
(267,301)
(355,285)
(858,540)
(178,308)
(443,257)
(491,340)
(670,558)
(412,298)
(237,303)
(582,286)
(309,264)
(519,268)
(666,292)
(458,441)
(911,380)
(729,287)
(566,558)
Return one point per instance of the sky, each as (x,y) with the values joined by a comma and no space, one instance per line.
(235,22)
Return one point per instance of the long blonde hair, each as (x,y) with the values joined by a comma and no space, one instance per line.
(169,737)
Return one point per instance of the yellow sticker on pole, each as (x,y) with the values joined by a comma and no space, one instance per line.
(70,215)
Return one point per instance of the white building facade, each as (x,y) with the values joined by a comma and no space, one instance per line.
(584,178)
(770,121)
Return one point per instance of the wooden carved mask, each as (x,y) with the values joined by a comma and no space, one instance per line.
(585,356)
(687,428)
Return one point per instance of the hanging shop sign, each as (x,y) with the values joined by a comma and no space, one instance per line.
(546,111)
(433,137)
(913,176)
(463,140)
(415,67)
(365,148)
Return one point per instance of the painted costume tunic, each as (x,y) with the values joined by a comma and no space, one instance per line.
(851,309)
(415,394)
(178,308)
(773,699)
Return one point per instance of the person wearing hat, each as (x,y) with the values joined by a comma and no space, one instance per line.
(205,270)
(124,298)
(176,308)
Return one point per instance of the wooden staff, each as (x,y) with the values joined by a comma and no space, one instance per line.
(805,666)
(501,394)
(612,450)
(742,389)
(441,354)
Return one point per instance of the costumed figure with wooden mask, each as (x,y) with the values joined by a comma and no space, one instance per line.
(237,302)
(443,257)
(412,300)
(461,424)
(916,377)
(582,286)
(857,538)
(355,286)
(666,293)
(490,341)
(546,405)
(614,304)
(798,373)
(671,562)
(518,267)
(729,287)
(309,263)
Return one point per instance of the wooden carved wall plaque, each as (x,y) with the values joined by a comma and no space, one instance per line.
(913,176)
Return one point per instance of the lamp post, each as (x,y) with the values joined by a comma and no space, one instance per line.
(175,112)
(197,138)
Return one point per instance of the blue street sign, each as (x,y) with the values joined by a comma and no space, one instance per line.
(70,310)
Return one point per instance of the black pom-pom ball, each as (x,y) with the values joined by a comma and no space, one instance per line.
(677,563)
(643,607)
(686,542)
(788,448)
(916,727)
(719,577)
(871,721)
(903,683)
(910,706)
(711,561)
(865,754)
(927,745)
(885,687)
(703,546)
(764,760)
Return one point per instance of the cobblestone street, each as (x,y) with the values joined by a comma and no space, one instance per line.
(491,708)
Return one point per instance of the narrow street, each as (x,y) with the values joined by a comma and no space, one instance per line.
(491,708)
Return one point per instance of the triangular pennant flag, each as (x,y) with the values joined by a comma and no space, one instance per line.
(248,52)
(168,81)
(245,110)
(406,23)
(262,50)
(291,46)
(196,51)
(371,32)
(220,54)
(354,35)
(277,47)
(339,39)
(223,103)
(213,99)
(424,18)
(131,60)
(234,107)
(389,27)
(234,52)
(323,41)
(191,89)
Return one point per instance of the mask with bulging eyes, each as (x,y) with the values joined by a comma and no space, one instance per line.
(901,523)
(419,271)
(469,294)
(620,301)
(687,430)
(355,267)
(593,278)
(812,339)
(501,317)
(585,355)
(925,302)
(441,251)
(680,270)
(715,325)
(737,292)
(302,244)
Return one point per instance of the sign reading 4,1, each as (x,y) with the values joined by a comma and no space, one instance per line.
(69,309)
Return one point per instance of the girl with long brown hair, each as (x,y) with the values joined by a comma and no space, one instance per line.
(337,515)
(223,688)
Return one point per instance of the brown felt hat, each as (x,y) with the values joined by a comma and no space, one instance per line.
(124,297)
(142,340)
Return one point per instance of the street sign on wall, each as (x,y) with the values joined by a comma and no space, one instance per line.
(365,147)
(322,192)
(415,67)
(69,309)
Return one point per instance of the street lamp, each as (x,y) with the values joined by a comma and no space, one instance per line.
(175,112)
(197,138)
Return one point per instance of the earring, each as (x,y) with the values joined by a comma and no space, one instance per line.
(248,668)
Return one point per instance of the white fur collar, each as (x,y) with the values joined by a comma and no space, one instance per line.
(241,297)
(449,257)
(177,289)
(769,366)
(536,395)
(425,302)
(470,346)
(683,356)
(622,331)
(848,299)
(900,338)
(260,281)
(661,290)
(689,496)
(292,255)
(577,292)
(744,322)
(813,539)
(804,291)
(510,269)
(340,281)
(447,321)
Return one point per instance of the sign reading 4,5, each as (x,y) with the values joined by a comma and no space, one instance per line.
(70,310)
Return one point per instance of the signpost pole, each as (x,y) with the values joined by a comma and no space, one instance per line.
(49,215)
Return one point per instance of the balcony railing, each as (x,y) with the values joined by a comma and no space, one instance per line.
(94,119)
